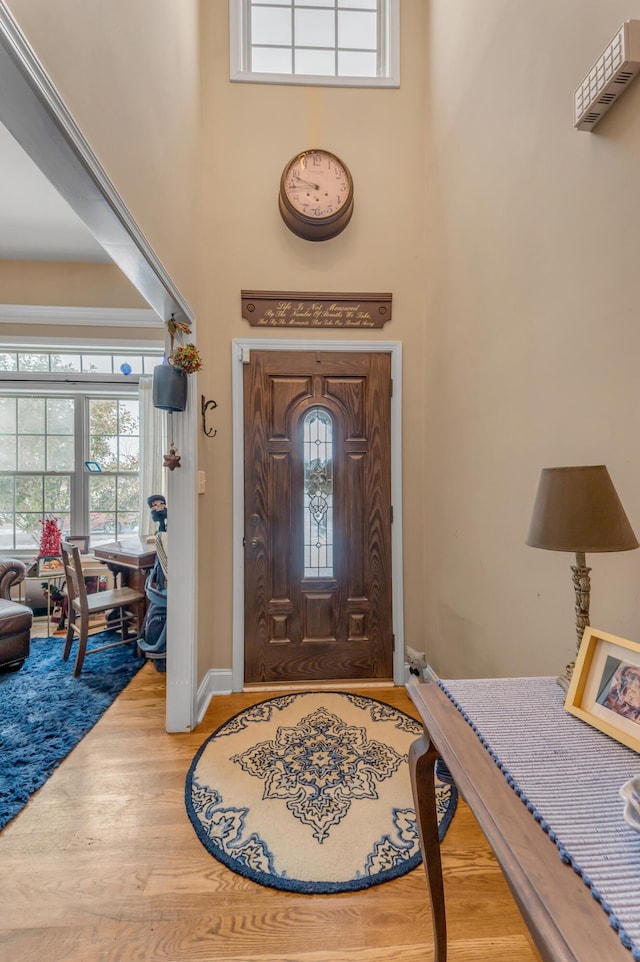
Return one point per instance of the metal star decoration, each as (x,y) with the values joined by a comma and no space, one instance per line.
(171,460)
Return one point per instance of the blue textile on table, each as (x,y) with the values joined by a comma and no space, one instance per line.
(568,774)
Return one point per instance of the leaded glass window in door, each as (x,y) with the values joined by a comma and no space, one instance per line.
(318,493)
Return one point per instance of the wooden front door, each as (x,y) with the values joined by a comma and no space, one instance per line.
(317,454)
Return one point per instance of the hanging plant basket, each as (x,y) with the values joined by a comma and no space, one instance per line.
(186,359)
(169,388)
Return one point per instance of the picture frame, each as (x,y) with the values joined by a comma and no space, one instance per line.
(50,566)
(605,686)
(82,540)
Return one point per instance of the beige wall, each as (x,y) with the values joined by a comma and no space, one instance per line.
(534,315)
(250,133)
(507,238)
(68,284)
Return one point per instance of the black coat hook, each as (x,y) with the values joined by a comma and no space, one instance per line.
(204,406)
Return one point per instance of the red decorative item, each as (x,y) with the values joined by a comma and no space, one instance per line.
(50,538)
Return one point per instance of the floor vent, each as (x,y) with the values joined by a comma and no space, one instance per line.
(609,77)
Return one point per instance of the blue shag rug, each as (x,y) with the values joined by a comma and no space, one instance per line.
(45,711)
(311,793)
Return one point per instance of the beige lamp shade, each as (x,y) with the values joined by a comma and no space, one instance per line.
(578,509)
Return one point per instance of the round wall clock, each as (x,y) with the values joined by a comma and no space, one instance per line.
(316,195)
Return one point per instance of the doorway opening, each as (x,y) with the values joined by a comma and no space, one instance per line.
(36,117)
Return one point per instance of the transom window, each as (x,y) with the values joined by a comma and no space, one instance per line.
(318,493)
(77,362)
(329,42)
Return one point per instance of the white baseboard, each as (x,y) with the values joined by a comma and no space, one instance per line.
(217,681)
(429,674)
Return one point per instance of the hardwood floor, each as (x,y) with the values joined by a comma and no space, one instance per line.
(103,866)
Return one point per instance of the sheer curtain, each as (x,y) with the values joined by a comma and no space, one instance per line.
(153,439)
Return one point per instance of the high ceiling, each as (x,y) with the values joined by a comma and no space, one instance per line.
(35,222)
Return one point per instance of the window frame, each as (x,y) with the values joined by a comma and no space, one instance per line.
(82,387)
(79,508)
(87,477)
(388,40)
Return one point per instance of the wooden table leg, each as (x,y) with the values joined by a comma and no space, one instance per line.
(422,760)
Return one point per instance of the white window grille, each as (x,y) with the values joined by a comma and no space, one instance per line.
(322,42)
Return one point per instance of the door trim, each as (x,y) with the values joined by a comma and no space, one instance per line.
(240,351)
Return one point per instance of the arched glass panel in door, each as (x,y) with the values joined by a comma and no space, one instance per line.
(318,493)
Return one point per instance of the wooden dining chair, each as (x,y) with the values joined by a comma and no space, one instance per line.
(127,601)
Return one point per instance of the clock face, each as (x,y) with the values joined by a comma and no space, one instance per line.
(317,184)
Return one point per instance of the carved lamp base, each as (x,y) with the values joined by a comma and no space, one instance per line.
(564,680)
(582,586)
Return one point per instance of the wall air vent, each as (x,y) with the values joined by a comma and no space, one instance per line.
(609,77)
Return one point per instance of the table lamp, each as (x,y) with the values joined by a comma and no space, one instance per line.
(577,509)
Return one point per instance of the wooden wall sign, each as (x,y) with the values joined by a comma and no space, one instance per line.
(293,309)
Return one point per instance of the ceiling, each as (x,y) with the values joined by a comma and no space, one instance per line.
(35,222)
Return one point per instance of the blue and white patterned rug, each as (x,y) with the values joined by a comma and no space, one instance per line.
(310,792)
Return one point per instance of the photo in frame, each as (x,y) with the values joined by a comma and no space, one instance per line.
(50,566)
(81,540)
(605,686)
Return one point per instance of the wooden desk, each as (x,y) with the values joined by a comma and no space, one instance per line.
(130,561)
(566,923)
(130,558)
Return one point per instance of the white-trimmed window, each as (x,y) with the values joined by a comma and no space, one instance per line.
(69,443)
(323,42)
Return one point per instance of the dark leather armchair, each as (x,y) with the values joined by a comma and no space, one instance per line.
(15,619)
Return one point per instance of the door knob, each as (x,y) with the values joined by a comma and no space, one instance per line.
(254,543)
